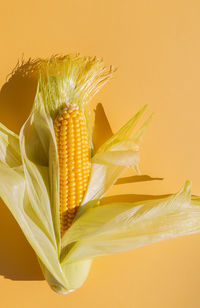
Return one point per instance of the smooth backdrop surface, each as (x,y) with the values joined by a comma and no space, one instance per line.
(156,46)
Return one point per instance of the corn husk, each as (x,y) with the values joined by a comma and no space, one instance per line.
(29,176)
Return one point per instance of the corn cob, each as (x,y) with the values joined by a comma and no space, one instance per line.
(74,162)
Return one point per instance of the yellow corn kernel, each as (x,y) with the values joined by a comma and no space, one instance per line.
(74,162)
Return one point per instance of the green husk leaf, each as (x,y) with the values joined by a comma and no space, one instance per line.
(9,147)
(76,273)
(119,227)
(34,144)
(124,132)
(113,157)
(13,193)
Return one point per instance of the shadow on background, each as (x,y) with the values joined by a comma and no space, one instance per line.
(17,94)
(102,129)
(131,198)
(136,178)
(17,259)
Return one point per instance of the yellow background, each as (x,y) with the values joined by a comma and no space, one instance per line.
(156,46)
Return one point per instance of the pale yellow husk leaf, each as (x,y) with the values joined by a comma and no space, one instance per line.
(118,227)
(29,176)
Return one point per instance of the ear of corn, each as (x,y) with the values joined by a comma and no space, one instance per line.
(74,162)
(45,177)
